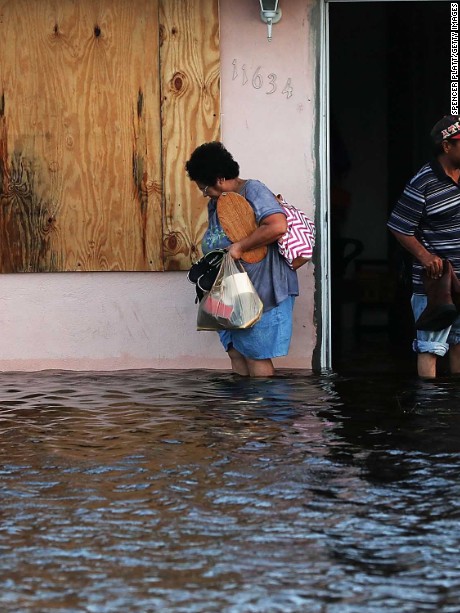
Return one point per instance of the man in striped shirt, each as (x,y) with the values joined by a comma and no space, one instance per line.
(426,222)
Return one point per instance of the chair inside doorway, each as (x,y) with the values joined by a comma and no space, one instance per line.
(374,295)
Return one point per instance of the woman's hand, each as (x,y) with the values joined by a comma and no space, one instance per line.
(235,251)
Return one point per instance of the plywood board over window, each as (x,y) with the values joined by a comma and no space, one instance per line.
(94,131)
(190,110)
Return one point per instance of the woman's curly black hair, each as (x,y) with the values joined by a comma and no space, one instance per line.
(211,161)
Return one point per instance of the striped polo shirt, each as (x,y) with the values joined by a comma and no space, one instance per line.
(429,209)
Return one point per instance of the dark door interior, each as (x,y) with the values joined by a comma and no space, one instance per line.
(389,84)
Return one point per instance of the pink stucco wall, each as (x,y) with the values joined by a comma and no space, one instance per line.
(105,321)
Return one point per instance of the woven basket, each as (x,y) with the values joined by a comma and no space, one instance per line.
(237,218)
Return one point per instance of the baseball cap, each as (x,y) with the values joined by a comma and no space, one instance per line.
(446,128)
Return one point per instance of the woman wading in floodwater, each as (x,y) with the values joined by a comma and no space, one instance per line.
(251,350)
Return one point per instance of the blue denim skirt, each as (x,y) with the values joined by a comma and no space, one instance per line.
(269,338)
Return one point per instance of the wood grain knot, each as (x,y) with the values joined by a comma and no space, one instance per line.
(179,82)
(174,243)
(97,31)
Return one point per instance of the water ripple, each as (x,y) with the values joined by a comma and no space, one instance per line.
(193,491)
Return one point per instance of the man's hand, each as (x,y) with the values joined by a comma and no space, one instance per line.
(433,265)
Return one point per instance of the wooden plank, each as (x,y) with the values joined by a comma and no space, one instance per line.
(190,111)
(80,145)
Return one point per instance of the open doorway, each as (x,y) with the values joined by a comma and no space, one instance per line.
(389,84)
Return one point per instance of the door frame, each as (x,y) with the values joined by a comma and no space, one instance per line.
(322,359)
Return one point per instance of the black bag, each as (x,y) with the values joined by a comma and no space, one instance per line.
(204,272)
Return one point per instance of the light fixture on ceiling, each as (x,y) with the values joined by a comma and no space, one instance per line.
(270,14)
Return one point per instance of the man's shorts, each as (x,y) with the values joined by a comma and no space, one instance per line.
(269,338)
(433,342)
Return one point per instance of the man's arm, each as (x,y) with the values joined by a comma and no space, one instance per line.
(431,263)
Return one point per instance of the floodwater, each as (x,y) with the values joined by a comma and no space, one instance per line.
(145,491)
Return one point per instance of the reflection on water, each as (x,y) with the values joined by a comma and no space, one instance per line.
(145,491)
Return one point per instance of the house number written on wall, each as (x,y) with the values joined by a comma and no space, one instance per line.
(260,80)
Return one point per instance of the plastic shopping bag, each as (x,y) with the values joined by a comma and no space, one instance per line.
(232,302)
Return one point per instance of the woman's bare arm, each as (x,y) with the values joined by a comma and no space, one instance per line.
(270,230)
